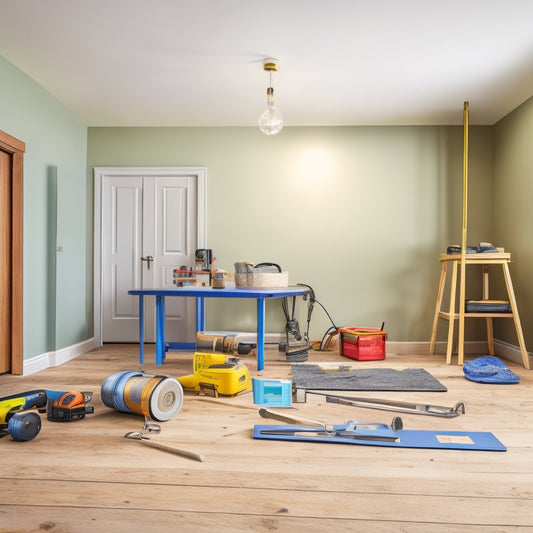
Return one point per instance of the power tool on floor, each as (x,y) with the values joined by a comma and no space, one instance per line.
(297,345)
(68,406)
(18,417)
(215,374)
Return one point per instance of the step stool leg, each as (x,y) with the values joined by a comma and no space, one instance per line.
(490,329)
(451,324)
(440,294)
(516,318)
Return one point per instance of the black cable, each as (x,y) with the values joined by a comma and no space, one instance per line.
(322,343)
(313,300)
(325,310)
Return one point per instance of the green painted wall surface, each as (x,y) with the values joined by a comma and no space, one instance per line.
(55,307)
(359,213)
(513,223)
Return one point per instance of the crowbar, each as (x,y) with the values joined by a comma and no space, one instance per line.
(397,406)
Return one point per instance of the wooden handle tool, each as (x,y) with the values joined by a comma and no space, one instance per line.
(175,451)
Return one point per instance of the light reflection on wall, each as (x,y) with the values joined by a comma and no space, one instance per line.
(314,166)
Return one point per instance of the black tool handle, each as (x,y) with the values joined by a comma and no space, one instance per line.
(269,264)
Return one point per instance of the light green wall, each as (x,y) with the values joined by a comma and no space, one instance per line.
(361,219)
(359,213)
(55,312)
(513,223)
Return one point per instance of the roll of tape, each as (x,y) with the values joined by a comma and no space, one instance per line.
(158,397)
(166,399)
(112,390)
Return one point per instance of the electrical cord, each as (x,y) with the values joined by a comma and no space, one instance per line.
(313,300)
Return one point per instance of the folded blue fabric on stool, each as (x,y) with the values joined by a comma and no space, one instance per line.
(489,369)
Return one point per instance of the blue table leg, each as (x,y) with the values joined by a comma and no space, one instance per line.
(200,314)
(141,329)
(260,333)
(160,330)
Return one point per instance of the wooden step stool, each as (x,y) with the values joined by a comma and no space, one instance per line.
(483,259)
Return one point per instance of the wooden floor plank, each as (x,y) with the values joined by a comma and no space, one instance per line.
(251,485)
(64,520)
(269,502)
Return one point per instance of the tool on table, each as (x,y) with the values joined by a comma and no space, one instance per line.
(215,374)
(17,415)
(68,406)
(218,280)
(203,258)
(389,405)
(150,427)
(352,429)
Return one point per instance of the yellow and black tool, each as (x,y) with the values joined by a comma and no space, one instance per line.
(18,417)
(215,374)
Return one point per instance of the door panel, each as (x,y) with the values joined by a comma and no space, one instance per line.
(11,275)
(143,217)
(175,243)
(5,262)
(121,246)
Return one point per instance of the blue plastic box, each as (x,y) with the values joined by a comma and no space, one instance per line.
(273,392)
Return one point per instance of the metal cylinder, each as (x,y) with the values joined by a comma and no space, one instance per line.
(158,397)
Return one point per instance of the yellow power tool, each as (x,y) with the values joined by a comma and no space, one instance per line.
(215,374)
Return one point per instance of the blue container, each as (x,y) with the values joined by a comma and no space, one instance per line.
(273,392)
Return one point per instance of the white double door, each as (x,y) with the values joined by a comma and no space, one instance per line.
(149,227)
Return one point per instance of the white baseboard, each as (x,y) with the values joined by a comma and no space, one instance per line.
(422,348)
(510,352)
(501,349)
(51,359)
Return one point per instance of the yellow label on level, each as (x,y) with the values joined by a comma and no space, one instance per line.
(454,439)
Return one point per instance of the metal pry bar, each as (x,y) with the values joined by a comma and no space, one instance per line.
(397,406)
(400,407)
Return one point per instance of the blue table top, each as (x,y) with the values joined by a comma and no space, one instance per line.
(209,292)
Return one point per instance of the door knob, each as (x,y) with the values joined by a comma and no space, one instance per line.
(148,258)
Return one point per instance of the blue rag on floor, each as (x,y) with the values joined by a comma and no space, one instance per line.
(489,369)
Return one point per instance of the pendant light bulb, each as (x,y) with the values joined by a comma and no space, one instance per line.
(271,121)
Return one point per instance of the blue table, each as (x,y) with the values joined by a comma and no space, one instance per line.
(201,293)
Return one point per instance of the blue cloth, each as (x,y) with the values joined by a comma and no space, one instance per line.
(489,369)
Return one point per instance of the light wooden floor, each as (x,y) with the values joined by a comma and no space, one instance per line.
(84,476)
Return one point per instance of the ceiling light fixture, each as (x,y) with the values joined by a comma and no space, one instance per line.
(271,121)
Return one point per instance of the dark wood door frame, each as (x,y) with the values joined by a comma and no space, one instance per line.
(16,149)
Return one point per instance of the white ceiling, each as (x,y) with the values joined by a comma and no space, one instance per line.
(342,62)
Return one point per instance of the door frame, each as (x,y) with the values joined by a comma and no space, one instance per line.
(16,148)
(199,173)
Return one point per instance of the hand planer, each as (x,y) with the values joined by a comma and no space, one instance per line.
(68,406)
(215,374)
